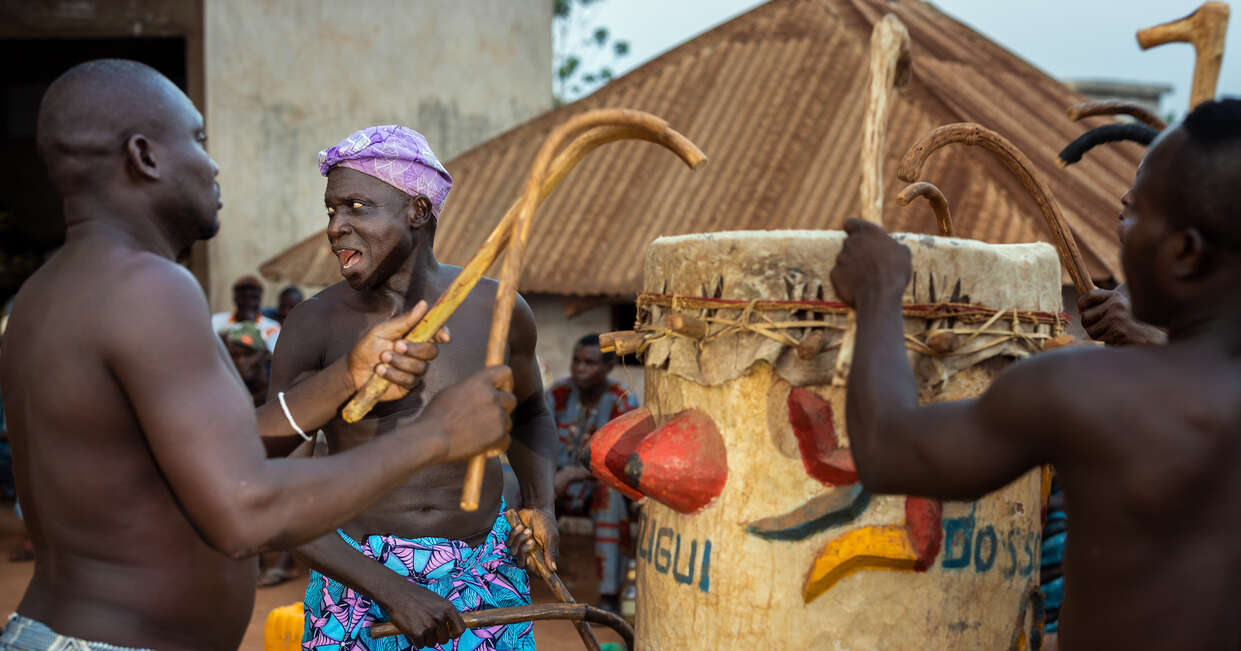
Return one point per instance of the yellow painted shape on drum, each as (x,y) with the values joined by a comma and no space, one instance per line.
(283,630)
(881,547)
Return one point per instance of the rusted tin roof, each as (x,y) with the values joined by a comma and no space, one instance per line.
(775,98)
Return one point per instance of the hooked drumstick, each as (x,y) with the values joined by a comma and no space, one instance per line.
(933,196)
(1134,132)
(506,293)
(534,560)
(1205,29)
(973,134)
(532,613)
(1116,107)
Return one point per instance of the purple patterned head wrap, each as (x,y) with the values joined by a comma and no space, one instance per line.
(396,155)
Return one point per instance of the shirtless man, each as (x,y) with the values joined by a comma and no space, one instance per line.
(140,469)
(385,189)
(1146,440)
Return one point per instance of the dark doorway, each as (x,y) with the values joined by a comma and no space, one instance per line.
(31,222)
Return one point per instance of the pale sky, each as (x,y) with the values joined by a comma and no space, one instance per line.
(1069,39)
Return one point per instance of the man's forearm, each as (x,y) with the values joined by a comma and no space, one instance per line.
(312,402)
(295,500)
(334,558)
(532,453)
(880,380)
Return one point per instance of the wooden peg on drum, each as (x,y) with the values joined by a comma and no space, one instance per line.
(621,342)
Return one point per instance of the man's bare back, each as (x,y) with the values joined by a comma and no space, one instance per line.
(1151,486)
(140,467)
(1146,440)
(115,550)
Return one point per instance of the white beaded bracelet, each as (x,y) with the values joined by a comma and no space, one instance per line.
(285,407)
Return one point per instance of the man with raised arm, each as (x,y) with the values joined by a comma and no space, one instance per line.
(1146,439)
(141,471)
(415,557)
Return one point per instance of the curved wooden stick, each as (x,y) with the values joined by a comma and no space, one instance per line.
(889,69)
(506,293)
(1206,29)
(532,613)
(1017,163)
(1115,132)
(534,561)
(1116,107)
(933,196)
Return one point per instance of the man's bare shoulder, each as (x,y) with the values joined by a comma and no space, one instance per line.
(485,289)
(1078,384)
(312,313)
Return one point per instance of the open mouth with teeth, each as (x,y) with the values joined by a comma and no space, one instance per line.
(348,257)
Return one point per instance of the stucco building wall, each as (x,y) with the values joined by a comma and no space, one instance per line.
(558,333)
(286,78)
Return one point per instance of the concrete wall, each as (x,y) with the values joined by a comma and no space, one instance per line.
(558,333)
(286,78)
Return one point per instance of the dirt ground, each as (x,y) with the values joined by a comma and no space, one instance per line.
(576,570)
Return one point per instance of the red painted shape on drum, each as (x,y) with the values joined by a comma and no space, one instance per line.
(825,460)
(683,464)
(923,518)
(611,445)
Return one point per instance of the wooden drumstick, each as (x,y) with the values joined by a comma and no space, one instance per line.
(934,197)
(506,293)
(1116,107)
(1021,167)
(889,69)
(531,613)
(1205,29)
(534,560)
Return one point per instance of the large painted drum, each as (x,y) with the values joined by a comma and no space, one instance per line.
(755,532)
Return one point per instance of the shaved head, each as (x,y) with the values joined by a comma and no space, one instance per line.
(118,138)
(1206,189)
(89,113)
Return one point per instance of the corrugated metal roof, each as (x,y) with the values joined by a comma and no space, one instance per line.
(775,98)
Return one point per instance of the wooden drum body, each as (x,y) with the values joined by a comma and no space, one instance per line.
(756,533)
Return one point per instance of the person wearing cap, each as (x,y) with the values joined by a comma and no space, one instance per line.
(247,297)
(251,357)
(415,557)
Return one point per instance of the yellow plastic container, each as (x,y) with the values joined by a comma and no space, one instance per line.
(283,630)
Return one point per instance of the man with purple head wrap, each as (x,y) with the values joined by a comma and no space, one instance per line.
(415,557)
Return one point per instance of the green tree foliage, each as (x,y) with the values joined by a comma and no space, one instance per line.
(583,51)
